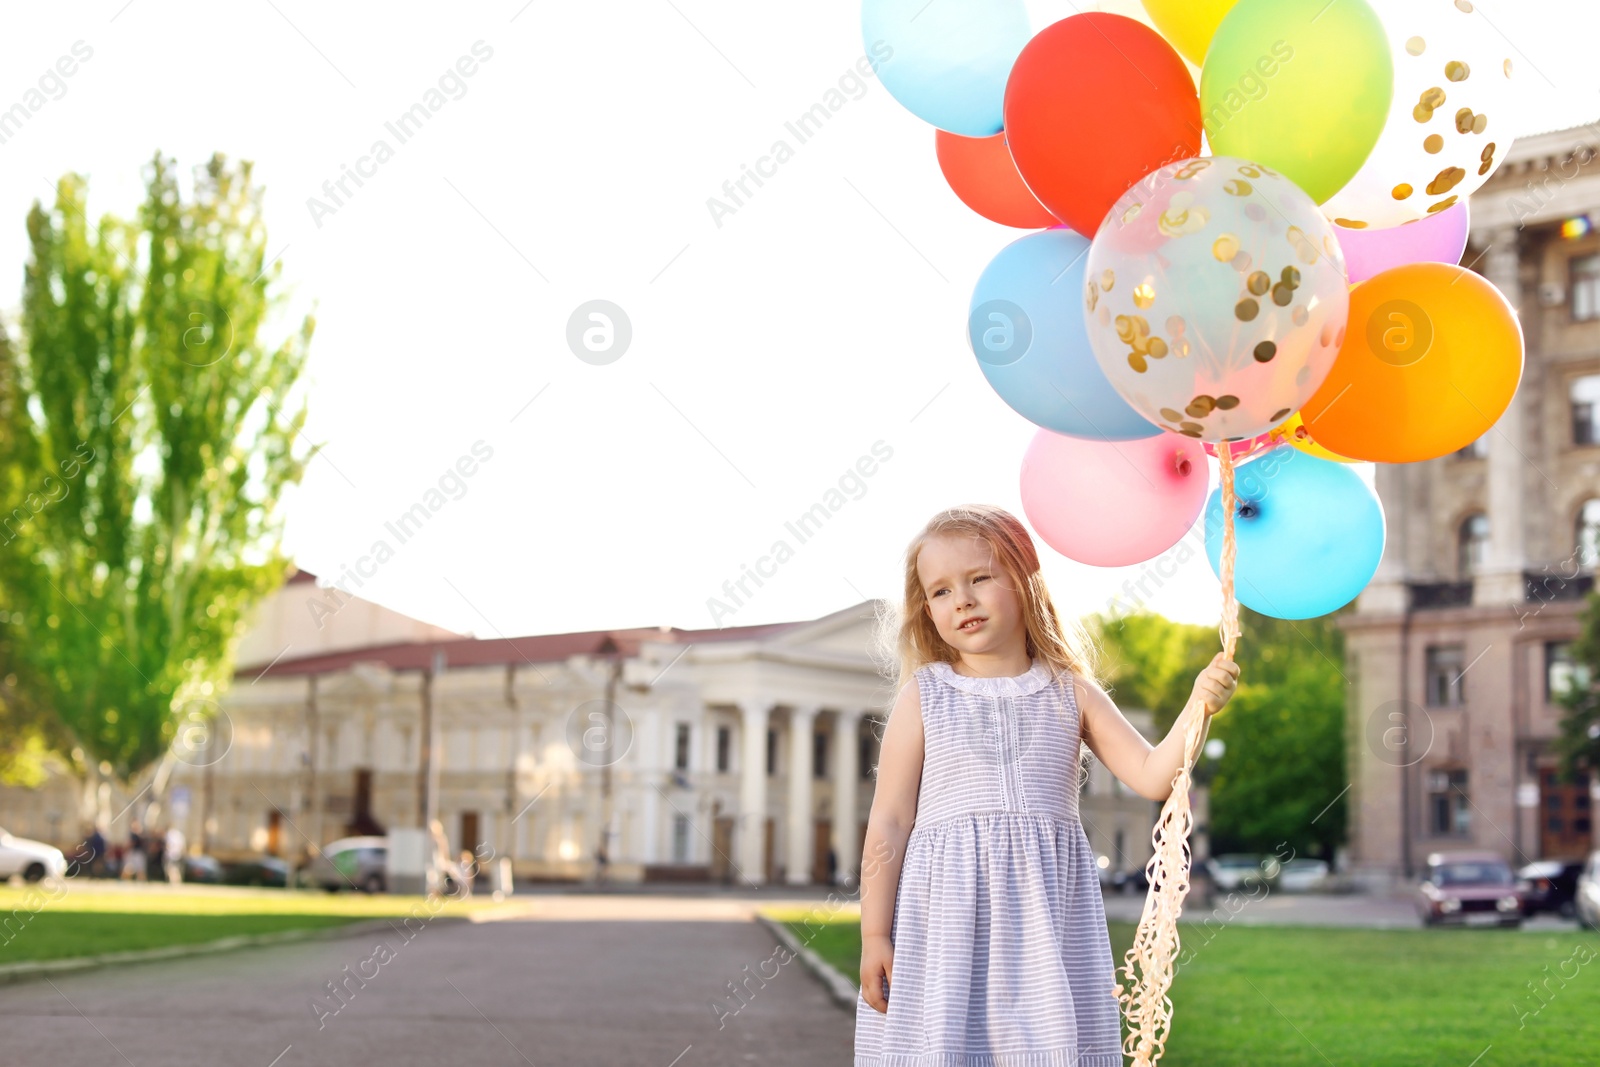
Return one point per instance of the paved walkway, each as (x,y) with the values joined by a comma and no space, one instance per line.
(614,981)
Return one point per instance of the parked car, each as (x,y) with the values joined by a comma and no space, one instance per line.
(1549,885)
(1468,888)
(1303,875)
(31,859)
(201,869)
(1586,900)
(350,863)
(1237,870)
(256,870)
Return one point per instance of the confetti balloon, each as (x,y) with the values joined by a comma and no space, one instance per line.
(1215,298)
(1451,119)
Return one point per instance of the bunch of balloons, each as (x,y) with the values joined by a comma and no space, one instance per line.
(1265,261)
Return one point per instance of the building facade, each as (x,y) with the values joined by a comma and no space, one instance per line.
(741,755)
(1457,648)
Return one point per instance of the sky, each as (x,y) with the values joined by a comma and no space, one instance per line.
(769,349)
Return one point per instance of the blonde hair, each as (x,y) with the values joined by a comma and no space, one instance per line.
(908,639)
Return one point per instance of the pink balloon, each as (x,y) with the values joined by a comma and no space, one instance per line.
(1112,503)
(1439,238)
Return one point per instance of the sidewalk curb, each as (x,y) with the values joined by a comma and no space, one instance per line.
(842,990)
(32,970)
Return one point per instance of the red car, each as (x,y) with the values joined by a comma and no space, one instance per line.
(1469,889)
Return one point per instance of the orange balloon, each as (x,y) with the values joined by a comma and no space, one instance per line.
(980,171)
(1430,359)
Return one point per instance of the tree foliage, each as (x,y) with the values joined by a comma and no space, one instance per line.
(1282,773)
(1578,743)
(143,452)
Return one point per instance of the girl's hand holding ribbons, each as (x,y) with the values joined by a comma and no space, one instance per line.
(1216,683)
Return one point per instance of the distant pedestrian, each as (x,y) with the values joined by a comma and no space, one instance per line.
(134,860)
(174,854)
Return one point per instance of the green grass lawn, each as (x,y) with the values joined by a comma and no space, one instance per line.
(84,918)
(1292,996)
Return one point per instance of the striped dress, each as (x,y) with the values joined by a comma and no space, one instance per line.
(1001,955)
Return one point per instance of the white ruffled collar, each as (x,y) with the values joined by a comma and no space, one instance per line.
(1036,678)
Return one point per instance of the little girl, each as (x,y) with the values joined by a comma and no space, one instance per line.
(981,891)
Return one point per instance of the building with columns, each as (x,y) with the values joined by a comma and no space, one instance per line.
(1457,647)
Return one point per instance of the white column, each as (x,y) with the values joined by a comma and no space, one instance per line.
(802,724)
(752,823)
(846,775)
(1501,578)
(649,740)
(1386,593)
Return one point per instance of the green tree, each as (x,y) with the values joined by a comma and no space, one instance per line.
(1282,771)
(1578,743)
(143,452)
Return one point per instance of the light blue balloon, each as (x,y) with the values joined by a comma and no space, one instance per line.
(947,61)
(1309,534)
(1025,325)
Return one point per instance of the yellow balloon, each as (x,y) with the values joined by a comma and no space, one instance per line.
(1188,24)
(1293,430)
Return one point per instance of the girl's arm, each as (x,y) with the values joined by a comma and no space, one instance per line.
(894,812)
(1146,770)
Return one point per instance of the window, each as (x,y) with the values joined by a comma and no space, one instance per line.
(680,755)
(1447,803)
(1584,394)
(819,755)
(1561,670)
(724,743)
(1445,685)
(680,838)
(1472,542)
(1477,449)
(1587,534)
(772,752)
(1583,278)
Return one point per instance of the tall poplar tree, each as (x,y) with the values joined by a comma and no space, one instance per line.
(144,447)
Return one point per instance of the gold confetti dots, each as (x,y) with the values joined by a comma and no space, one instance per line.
(1486,159)
(1224,248)
(1227,403)
(1246,310)
(1237,187)
(1200,406)
(1301,316)
(1144,295)
(1132,212)
(1351,224)
(1432,144)
(1282,413)
(1092,296)
(1441,205)
(1108,278)
(1401,191)
(1190,429)
(1180,347)
(1134,331)
(1282,295)
(1170,415)
(1464,5)
(1466,121)
(1445,180)
(1175,325)
(1507,68)
(1290,277)
(1427,103)
(1241,262)
(1326,337)
(1258,283)
(1180,219)
(1416,46)
(1457,71)
(1302,245)
(1265,351)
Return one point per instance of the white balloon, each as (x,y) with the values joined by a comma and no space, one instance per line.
(1451,120)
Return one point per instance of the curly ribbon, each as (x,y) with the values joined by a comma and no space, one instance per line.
(1148,964)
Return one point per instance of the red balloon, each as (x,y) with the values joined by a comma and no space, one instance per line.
(980,171)
(1094,103)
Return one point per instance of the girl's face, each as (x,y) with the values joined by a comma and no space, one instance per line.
(970,597)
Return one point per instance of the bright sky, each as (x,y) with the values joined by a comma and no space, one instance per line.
(768,354)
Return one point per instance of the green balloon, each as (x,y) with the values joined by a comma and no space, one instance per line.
(1302,86)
